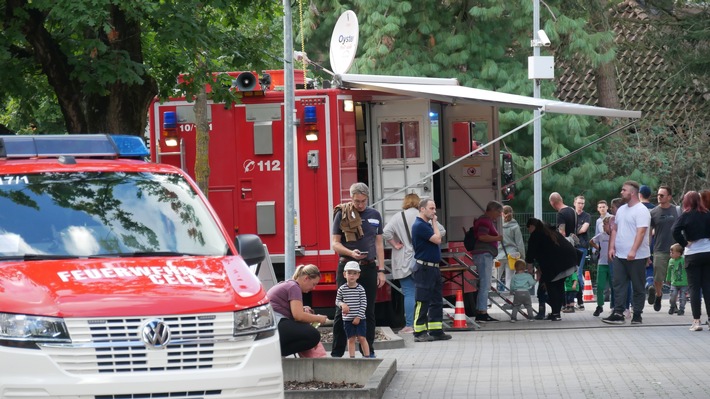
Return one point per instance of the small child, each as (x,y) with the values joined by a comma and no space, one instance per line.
(520,286)
(601,243)
(571,287)
(678,279)
(352,302)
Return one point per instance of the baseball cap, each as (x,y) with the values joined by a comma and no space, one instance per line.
(352,265)
(645,191)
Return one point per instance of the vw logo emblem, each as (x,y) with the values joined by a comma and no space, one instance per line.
(155,334)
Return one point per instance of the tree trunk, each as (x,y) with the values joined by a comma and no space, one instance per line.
(124,109)
(202,139)
(606,87)
(605,74)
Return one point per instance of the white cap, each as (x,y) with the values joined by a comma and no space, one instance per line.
(352,265)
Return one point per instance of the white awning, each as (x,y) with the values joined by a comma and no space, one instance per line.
(448,90)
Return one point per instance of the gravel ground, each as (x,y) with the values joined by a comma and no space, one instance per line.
(326,335)
(313,385)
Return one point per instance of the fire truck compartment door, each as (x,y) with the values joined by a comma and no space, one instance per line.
(401,151)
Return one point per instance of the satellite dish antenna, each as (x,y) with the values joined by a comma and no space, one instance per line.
(343,42)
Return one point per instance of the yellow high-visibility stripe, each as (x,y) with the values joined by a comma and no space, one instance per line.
(418,327)
(437,325)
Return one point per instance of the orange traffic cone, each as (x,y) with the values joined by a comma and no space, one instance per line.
(588,289)
(460,313)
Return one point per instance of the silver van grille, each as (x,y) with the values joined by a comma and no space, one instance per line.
(114,345)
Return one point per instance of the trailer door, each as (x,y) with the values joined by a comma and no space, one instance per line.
(471,183)
(400,152)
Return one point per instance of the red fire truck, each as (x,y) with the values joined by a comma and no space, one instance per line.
(397,134)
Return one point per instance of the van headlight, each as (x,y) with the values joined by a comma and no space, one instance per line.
(258,320)
(26,331)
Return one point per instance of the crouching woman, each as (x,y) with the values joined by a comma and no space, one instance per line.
(296,334)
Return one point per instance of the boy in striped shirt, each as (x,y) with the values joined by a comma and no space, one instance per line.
(352,301)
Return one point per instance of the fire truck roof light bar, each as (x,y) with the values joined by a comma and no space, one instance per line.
(453,93)
(76,145)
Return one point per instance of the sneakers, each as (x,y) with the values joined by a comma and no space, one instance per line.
(423,338)
(568,309)
(406,330)
(598,311)
(554,317)
(440,337)
(615,318)
(513,320)
(531,319)
(636,319)
(651,290)
(696,326)
(672,310)
(540,316)
(681,312)
(484,317)
(580,307)
(657,304)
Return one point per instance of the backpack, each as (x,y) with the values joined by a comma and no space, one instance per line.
(469,239)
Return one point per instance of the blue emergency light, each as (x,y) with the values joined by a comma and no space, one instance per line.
(169,120)
(309,114)
(76,145)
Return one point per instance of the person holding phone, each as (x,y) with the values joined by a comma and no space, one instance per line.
(356,235)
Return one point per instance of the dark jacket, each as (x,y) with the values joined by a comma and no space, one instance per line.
(691,226)
(553,258)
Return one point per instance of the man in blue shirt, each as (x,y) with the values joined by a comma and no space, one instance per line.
(428,312)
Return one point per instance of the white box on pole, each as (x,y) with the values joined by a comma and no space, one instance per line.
(541,67)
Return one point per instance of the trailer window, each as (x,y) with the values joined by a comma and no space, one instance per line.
(400,140)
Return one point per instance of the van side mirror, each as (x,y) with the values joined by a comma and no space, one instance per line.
(250,248)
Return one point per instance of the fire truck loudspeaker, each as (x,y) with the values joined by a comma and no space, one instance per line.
(246,81)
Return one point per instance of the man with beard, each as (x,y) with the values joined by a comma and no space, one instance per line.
(629,251)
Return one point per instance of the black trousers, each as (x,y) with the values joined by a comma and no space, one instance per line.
(368,280)
(296,337)
(555,295)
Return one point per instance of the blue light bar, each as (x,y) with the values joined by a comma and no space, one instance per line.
(130,146)
(309,114)
(76,145)
(169,120)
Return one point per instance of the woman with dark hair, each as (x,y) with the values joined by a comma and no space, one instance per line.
(556,258)
(692,232)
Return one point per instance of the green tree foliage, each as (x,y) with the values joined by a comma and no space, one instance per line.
(485,44)
(105,60)
(683,31)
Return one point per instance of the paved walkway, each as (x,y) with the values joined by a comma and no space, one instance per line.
(578,357)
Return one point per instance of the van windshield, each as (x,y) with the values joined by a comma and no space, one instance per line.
(104,213)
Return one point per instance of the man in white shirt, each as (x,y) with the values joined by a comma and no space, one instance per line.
(629,251)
